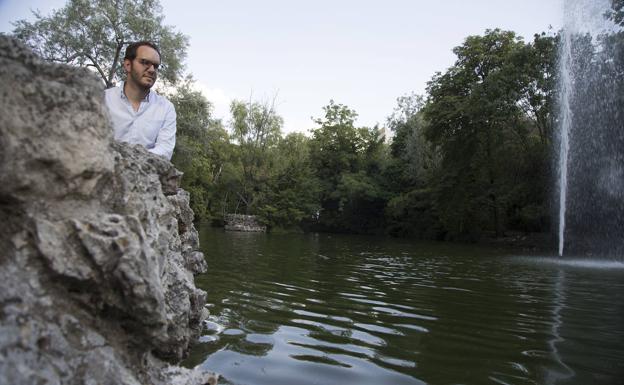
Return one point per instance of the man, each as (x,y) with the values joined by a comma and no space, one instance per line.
(139,115)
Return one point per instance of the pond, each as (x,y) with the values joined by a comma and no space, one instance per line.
(337,309)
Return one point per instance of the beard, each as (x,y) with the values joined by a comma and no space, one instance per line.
(141,78)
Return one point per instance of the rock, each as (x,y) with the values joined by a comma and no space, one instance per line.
(97,249)
(240,222)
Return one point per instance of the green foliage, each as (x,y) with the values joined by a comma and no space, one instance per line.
(292,194)
(336,144)
(483,114)
(94,33)
(536,72)
(361,201)
(256,129)
(410,210)
(412,214)
(413,156)
(202,150)
(470,159)
(347,162)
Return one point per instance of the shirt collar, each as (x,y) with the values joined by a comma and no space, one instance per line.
(123,94)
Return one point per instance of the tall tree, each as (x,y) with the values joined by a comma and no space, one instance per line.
(412,154)
(256,130)
(292,194)
(537,78)
(94,34)
(410,210)
(475,117)
(348,163)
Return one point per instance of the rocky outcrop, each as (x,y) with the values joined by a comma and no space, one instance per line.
(240,222)
(97,244)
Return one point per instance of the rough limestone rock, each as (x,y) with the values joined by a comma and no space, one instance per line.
(97,244)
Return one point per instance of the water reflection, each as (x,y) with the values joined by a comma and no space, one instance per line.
(565,371)
(351,310)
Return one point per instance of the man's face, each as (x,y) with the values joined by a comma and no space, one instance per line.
(143,71)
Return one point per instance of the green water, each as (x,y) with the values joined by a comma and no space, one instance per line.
(329,309)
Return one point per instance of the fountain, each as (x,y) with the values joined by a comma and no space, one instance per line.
(591,118)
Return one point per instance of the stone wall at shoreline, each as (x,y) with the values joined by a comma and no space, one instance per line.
(241,222)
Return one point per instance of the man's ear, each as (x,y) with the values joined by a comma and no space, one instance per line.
(127,63)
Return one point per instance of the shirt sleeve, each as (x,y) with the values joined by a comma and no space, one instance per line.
(165,142)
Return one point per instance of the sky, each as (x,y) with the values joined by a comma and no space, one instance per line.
(360,53)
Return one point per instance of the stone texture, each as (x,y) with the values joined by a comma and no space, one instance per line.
(240,222)
(97,244)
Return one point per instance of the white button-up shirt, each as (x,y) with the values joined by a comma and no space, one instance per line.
(152,126)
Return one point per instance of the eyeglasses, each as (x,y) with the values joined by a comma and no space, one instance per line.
(147,63)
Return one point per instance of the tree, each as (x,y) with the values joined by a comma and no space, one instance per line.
(413,159)
(256,129)
(537,63)
(292,193)
(348,162)
(335,144)
(94,33)
(475,117)
(202,150)
(411,153)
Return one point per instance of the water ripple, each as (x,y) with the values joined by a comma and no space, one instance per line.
(364,314)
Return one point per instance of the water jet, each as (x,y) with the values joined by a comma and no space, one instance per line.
(591,136)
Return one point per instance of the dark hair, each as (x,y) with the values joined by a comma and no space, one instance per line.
(131,50)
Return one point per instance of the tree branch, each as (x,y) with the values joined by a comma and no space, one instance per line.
(97,67)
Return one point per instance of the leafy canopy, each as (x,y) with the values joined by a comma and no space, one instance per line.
(94,33)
